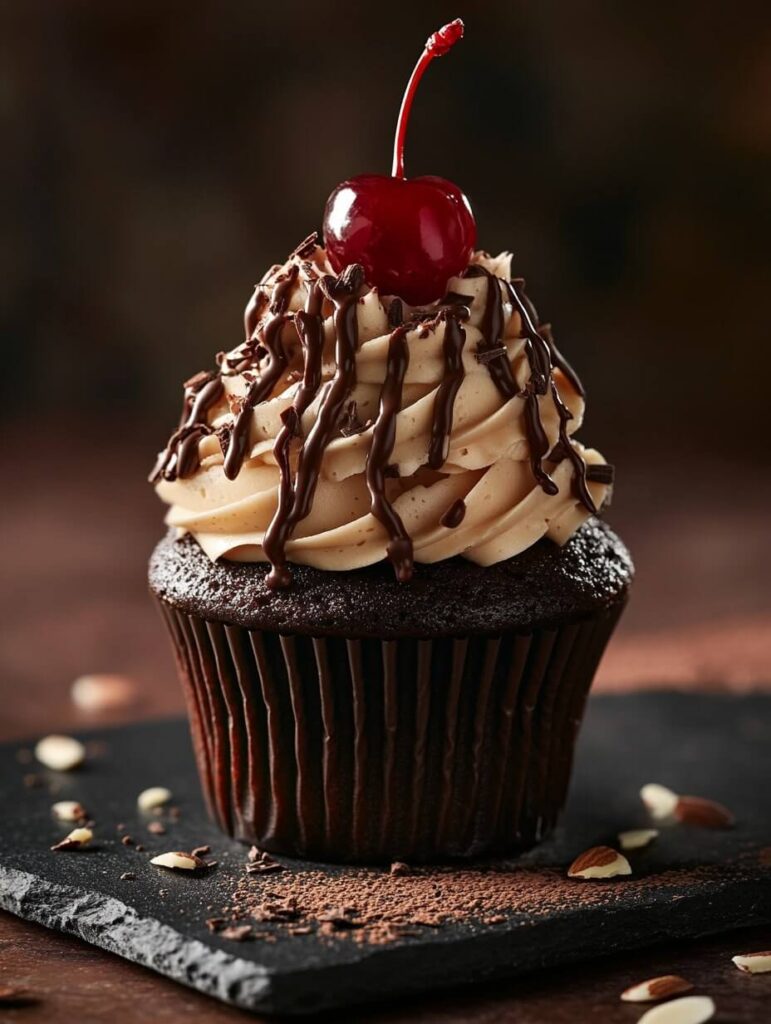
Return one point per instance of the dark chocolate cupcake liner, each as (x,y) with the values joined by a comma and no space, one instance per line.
(366,750)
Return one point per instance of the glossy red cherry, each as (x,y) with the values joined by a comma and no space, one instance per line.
(411,236)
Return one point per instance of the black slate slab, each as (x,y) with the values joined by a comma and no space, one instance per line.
(689,882)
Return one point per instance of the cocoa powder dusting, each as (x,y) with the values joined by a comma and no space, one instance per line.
(374,907)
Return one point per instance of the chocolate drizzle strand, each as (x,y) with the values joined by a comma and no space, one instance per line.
(444,403)
(343,293)
(179,459)
(269,334)
(399,547)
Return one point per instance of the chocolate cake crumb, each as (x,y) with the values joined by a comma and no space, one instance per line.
(33,781)
(127,840)
(140,848)
(156,828)
(215,924)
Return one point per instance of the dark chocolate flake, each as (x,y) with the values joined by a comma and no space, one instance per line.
(602,473)
(485,356)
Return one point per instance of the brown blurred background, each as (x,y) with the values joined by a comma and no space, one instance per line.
(159,156)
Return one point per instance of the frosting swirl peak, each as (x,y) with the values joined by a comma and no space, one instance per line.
(348,427)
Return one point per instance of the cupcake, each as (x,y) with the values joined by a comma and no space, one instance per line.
(385,581)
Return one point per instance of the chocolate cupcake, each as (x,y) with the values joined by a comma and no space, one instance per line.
(385,581)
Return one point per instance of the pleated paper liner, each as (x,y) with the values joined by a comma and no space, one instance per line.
(365,750)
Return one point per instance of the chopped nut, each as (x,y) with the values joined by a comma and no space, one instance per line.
(754,963)
(599,862)
(155,796)
(69,810)
(78,838)
(237,932)
(102,692)
(696,810)
(178,861)
(688,1010)
(60,753)
(636,838)
(659,801)
(656,988)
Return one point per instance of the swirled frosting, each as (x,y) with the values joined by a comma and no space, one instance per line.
(348,427)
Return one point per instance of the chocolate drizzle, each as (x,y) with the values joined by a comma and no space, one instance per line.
(309,325)
(179,459)
(343,293)
(383,436)
(542,354)
(444,403)
(269,334)
(265,356)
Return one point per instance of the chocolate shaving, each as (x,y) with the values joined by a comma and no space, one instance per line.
(486,356)
(306,247)
(454,515)
(600,474)
(128,876)
(200,851)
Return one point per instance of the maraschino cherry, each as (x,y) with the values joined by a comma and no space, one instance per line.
(411,236)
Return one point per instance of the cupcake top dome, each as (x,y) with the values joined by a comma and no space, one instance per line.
(349,427)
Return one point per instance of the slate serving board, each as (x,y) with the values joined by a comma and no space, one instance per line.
(696,881)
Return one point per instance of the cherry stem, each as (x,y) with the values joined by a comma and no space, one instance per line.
(436,46)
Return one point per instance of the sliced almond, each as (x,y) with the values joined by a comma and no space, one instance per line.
(78,838)
(599,862)
(688,1010)
(696,810)
(178,861)
(102,692)
(665,987)
(69,810)
(754,963)
(659,801)
(152,798)
(60,753)
(636,838)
